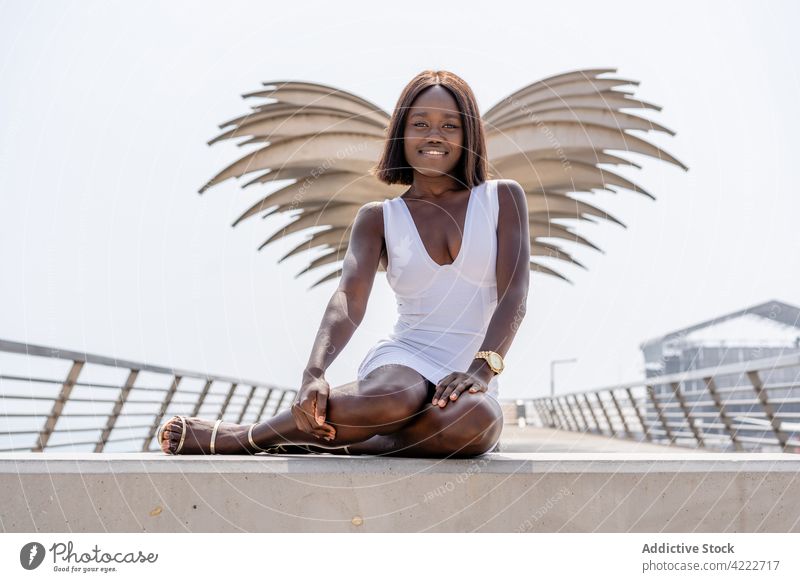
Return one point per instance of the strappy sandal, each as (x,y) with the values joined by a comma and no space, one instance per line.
(160,432)
(274,448)
(183,434)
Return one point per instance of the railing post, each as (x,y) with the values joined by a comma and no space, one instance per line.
(112,419)
(246,404)
(676,389)
(723,413)
(568,406)
(563,414)
(761,393)
(544,412)
(551,407)
(199,404)
(657,405)
(280,401)
(621,414)
(605,414)
(164,405)
(58,406)
(645,428)
(540,412)
(227,399)
(264,405)
(591,412)
(580,411)
(556,413)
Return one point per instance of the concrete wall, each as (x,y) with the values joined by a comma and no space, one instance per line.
(568,492)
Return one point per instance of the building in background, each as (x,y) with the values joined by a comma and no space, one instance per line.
(770,329)
(766,330)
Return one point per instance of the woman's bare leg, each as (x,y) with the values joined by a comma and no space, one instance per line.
(381,403)
(467,427)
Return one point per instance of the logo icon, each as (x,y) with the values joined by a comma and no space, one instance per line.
(31,555)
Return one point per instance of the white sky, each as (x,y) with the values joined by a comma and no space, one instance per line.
(106,108)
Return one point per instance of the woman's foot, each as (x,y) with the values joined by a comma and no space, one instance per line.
(231,438)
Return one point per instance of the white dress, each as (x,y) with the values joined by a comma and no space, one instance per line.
(443,310)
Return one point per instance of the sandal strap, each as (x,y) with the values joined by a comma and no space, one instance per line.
(214,435)
(252,442)
(183,434)
(271,449)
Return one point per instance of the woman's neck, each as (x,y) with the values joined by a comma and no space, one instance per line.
(433,186)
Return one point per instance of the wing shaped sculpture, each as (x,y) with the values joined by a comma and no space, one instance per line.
(550,136)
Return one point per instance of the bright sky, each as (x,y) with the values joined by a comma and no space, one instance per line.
(106,108)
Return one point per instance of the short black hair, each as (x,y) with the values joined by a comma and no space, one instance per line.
(472,169)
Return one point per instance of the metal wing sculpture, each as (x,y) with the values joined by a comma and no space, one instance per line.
(550,136)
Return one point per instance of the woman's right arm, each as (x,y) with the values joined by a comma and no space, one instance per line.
(343,315)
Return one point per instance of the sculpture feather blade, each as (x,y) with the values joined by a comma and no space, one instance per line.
(552,137)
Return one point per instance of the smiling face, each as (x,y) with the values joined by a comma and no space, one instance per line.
(433,136)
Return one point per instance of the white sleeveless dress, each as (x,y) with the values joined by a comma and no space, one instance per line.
(443,310)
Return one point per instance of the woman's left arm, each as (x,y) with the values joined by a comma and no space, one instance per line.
(513,278)
(513,274)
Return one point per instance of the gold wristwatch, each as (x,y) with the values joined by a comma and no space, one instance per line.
(494,360)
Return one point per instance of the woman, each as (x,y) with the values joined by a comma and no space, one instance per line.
(456,249)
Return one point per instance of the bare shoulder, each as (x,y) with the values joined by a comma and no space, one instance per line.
(370,217)
(511,199)
(506,187)
(367,230)
(371,210)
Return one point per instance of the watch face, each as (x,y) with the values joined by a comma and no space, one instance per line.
(495,361)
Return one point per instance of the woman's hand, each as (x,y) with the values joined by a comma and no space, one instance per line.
(311,405)
(451,386)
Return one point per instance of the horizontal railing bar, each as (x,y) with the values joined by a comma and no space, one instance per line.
(738,388)
(87,384)
(749,387)
(742,402)
(689,435)
(52,446)
(664,405)
(71,430)
(782,385)
(235,397)
(705,414)
(52,399)
(772,363)
(99,400)
(47,352)
(720,425)
(27,449)
(735,427)
(675,414)
(77,415)
(750,427)
(758,441)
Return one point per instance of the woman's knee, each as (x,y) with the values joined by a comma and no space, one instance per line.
(473,424)
(394,400)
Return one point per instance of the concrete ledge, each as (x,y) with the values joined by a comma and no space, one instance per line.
(500,492)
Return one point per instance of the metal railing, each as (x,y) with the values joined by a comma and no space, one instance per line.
(39,413)
(749,406)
